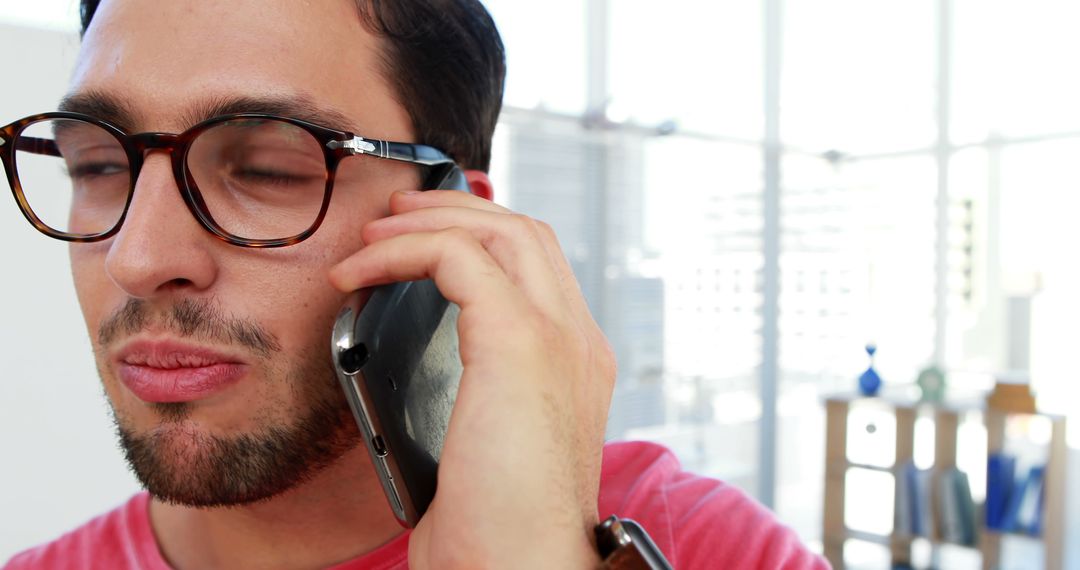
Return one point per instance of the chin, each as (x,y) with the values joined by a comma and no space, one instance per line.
(181,460)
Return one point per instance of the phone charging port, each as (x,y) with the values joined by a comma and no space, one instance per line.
(379,446)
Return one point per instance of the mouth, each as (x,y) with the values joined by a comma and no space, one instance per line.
(167,371)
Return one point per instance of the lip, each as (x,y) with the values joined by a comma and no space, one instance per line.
(168,371)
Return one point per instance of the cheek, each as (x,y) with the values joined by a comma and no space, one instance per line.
(293,290)
(363,185)
(301,308)
(92,286)
(292,297)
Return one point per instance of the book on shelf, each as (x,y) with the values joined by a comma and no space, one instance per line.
(925,497)
(934,504)
(1014,504)
(1028,511)
(948,509)
(967,508)
(902,511)
(917,512)
(956,507)
(1000,474)
(1035,526)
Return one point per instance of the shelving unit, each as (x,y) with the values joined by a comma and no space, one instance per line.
(947,419)
(1053,535)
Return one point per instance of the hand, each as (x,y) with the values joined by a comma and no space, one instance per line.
(520,468)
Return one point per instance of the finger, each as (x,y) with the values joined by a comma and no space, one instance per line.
(511,239)
(406,201)
(564,274)
(401,202)
(600,352)
(462,269)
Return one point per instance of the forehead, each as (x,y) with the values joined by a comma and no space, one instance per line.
(163,61)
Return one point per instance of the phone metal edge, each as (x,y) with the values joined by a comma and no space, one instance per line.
(355,388)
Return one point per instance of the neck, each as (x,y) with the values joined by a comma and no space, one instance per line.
(338,515)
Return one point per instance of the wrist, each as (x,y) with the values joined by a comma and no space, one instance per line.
(552,554)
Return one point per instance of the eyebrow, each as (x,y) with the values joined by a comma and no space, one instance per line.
(101,106)
(114,110)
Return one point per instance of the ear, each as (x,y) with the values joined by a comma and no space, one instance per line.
(480,184)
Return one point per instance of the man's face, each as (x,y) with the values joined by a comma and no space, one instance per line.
(167,301)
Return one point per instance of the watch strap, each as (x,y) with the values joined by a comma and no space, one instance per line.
(624,545)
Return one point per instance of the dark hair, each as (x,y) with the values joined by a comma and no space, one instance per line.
(446,62)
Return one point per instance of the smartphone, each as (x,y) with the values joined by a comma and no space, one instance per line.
(395,351)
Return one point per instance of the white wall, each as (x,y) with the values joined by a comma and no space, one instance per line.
(59,463)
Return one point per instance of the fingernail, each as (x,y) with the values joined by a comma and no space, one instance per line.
(410,192)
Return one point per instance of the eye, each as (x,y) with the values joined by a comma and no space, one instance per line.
(96,169)
(268,176)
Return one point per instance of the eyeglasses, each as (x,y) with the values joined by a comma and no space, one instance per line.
(252,180)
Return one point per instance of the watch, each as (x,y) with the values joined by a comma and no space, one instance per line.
(624,545)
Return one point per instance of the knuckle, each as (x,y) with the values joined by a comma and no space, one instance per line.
(544,228)
(537,333)
(458,237)
(604,356)
(456,233)
(520,224)
(542,330)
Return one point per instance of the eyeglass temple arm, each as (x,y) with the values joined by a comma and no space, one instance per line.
(35,145)
(405,152)
(415,153)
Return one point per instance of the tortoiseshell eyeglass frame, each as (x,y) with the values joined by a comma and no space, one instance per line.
(336,145)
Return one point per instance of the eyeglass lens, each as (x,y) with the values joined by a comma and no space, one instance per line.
(74,175)
(258,178)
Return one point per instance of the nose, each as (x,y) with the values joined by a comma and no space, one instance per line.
(161,247)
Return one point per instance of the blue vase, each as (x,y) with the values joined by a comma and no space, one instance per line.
(869,382)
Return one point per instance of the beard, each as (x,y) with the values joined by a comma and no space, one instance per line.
(179,464)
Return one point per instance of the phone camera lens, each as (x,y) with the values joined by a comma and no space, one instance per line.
(353,359)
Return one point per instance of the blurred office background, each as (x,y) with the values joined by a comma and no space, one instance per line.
(750,191)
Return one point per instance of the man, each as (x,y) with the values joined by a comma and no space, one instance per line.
(213,355)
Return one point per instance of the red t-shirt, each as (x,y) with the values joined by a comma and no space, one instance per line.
(697,522)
